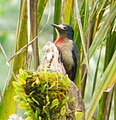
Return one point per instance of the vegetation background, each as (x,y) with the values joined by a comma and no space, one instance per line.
(99,33)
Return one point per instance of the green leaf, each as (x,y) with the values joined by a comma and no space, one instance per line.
(21,81)
(47,103)
(21,94)
(96,71)
(23,105)
(16,98)
(16,85)
(29,112)
(67,11)
(65,100)
(39,117)
(66,81)
(115,102)
(47,98)
(55,103)
(41,7)
(107,76)
(63,110)
(78,115)
(29,118)
(29,100)
(36,115)
(102,32)
(52,85)
(23,74)
(37,81)
(35,100)
(46,111)
(43,88)
(20,71)
(57,14)
(20,90)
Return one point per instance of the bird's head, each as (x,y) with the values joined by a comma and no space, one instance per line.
(64,31)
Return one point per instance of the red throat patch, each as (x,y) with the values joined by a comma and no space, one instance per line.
(58,41)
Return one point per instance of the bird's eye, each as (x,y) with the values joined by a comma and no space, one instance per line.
(65,27)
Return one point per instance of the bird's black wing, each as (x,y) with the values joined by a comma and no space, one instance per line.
(75,58)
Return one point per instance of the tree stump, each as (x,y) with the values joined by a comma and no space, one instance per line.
(51,59)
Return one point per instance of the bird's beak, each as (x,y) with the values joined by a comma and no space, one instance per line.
(55,26)
(59,28)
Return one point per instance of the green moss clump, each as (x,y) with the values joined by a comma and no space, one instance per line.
(42,94)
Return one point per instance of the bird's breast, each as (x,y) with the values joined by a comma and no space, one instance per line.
(65,48)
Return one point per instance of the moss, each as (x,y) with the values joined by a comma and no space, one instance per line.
(42,94)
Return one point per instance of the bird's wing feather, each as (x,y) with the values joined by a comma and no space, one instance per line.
(75,57)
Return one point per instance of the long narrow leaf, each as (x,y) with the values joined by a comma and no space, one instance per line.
(41,7)
(67,11)
(8,104)
(102,32)
(105,105)
(96,71)
(107,76)
(57,13)
(115,102)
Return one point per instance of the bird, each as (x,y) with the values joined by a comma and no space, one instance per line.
(67,48)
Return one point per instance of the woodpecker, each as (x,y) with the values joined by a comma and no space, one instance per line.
(67,48)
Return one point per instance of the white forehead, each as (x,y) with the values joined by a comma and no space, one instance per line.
(61,26)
